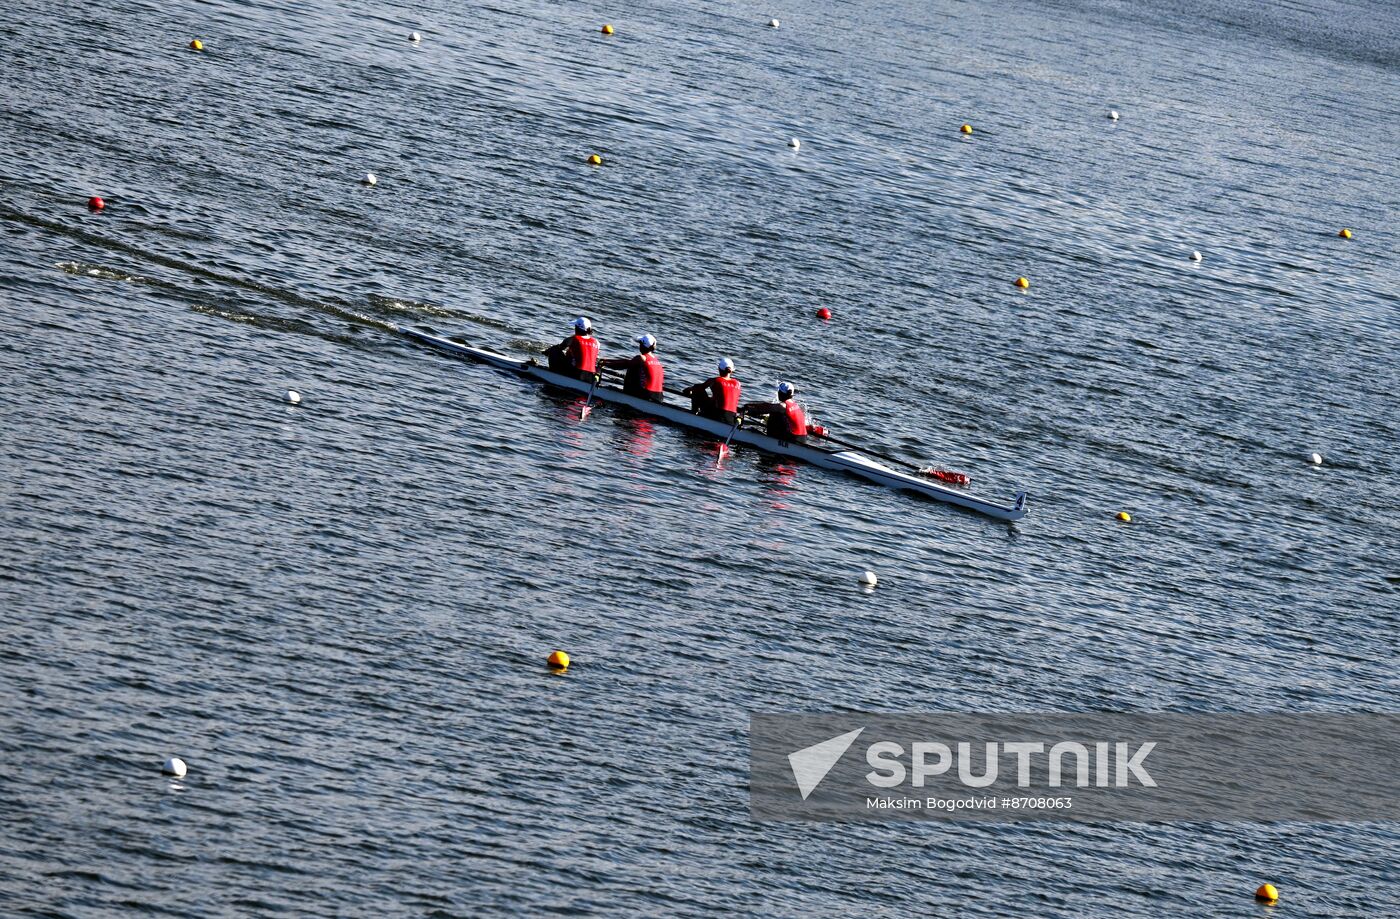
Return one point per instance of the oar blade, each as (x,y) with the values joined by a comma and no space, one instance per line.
(724,447)
(588,399)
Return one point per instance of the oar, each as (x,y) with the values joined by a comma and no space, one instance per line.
(959,478)
(588,400)
(724,447)
(884,456)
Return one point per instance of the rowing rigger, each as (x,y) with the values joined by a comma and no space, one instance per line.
(848,461)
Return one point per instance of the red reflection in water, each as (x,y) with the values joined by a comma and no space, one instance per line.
(780,482)
(639,436)
(711,463)
(572,438)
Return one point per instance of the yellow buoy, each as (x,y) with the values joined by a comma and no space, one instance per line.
(1125,516)
(606,30)
(1345,234)
(595,160)
(1267,892)
(559,660)
(1022,283)
(197,45)
(966,129)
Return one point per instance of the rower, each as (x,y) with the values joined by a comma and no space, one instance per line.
(786,419)
(645,376)
(577,355)
(717,397)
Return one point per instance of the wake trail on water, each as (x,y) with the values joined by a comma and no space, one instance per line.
(332,306)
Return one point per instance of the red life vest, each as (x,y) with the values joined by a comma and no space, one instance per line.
(584,351)
(728,393)
(796,419)
(653,374)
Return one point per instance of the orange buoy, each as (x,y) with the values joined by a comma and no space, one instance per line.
(559,660)
(606,30)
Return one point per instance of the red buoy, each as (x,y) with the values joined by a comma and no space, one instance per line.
(96,204)
(823,313)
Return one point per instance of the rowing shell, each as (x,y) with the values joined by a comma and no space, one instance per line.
(843,460)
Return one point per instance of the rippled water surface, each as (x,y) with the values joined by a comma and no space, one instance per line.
(338,613)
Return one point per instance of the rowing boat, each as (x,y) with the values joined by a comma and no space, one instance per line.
(847,461)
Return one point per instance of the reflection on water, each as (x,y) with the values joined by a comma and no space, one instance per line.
(779,478)
(637,434)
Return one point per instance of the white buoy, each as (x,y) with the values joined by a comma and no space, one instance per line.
(1195,256)
(1316,459)
(415,38)
(795,144)
(869,579)
(174,766)
(369,178)
(773,23)
(293,397)
(1112,115)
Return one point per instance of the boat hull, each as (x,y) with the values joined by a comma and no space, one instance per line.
(841,460)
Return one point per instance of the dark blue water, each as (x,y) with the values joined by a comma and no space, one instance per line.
(338,613)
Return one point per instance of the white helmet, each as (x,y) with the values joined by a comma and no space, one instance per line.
(582,325)
(786,389)
(726,365)
(647,341)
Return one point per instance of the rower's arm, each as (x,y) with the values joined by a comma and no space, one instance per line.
(615,363)
(759,409)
